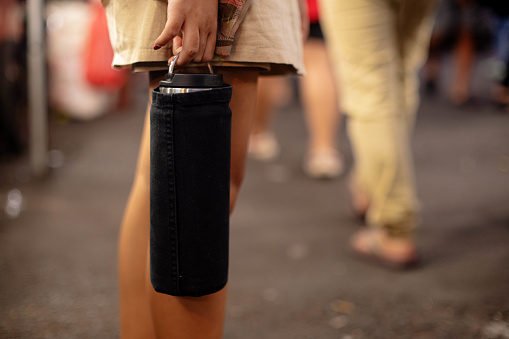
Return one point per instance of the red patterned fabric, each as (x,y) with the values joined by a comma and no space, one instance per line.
(231,14)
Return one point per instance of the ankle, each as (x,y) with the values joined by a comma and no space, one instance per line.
(360,199)
(398,246)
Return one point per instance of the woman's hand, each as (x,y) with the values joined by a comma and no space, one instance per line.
(196,22)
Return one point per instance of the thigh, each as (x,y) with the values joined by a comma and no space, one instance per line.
(143,164)
(244,82)
(136,320)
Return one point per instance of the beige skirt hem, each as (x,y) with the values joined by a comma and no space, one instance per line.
(268,38)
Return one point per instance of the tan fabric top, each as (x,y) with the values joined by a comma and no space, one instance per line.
(269,36)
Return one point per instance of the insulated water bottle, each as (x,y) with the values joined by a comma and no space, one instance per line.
(190,131)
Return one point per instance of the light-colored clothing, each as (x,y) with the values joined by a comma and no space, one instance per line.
(378,47)
(269,36)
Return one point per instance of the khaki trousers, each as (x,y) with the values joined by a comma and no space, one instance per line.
(378,47)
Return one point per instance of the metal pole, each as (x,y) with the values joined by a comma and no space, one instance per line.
(37,91)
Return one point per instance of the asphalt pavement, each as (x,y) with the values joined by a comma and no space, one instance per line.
(291,274)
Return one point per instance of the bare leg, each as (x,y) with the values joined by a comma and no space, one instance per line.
(135,317)
(137,320)
(272,92)
(464,56)
(145,313)
(319,96)
(242,105)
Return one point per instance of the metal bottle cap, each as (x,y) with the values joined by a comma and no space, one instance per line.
(184,83)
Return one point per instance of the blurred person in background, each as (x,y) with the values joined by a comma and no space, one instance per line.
(501,92)
(319,98)
(501,11)
(463,26)
(379,47)
(134,26)
(13,133)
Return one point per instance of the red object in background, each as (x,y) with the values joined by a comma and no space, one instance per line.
(99,54)
(313,11)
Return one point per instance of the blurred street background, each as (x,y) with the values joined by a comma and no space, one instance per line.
(291,272)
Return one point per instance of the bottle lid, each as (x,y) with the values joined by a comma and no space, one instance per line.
(191,80)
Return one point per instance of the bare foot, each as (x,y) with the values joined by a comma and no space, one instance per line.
(375,244)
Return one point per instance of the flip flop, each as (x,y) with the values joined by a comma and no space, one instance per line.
(375,254)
